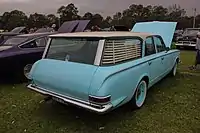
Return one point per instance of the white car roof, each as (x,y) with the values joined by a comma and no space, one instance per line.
(103,34)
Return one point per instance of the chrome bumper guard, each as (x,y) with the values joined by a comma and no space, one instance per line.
(95,108)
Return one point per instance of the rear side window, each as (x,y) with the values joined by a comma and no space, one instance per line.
(121,50)
(40,42)
(149,46)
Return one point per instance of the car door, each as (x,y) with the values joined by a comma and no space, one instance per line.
(32,51)
(153,60)
(162,52)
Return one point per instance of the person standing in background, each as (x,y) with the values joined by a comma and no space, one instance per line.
(197,59)
(54,27)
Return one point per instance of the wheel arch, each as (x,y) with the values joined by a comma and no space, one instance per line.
(144,77)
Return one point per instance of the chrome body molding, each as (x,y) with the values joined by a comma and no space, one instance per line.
(46,48)
(101,44)
(89,106)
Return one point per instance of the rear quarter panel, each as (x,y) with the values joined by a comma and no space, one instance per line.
(174,56)
(119,81)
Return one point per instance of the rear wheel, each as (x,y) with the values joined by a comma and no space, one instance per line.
(27,69)
(174,69)
(140,95)
(21,75)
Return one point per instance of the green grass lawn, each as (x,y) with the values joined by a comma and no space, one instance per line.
(172,106)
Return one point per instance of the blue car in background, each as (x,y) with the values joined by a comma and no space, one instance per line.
(101,71)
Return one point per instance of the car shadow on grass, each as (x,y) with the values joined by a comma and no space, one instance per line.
(70,116)
(163,86)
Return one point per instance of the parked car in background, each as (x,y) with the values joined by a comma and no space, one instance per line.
(101,71)
(42,30)
(16,31)
(177,35)
(17,54)
(188,39)
(116,28)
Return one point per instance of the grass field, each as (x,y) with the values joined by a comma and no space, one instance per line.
(172,106)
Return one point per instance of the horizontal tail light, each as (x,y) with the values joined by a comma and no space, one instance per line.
(99,100)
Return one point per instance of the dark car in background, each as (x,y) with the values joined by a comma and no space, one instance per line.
(188,38)
(18,53)
(42,30)
(14,32)
(177,34)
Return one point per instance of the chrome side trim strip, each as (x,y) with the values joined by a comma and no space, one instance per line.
(99,52)
(76,102)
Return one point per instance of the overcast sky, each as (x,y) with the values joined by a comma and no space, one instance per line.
(104,7)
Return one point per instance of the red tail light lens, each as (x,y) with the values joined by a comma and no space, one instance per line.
(99,100)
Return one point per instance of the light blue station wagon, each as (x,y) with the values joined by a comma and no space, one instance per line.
(101,71)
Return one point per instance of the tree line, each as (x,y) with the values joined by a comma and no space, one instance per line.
(128,17)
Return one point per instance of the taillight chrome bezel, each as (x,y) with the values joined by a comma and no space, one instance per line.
(99,100)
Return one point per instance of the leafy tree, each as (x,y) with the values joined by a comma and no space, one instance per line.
(52,19)
(159,13)
(117,18)
(107,22)
(68,13)
(1,23)
(97,19)
(128,17)
(87,16)
(175,12)
(37,20)
(13,19)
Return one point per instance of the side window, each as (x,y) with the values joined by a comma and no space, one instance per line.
(121,50)
(41,42)
(149,46)
(29,45)
(160,45)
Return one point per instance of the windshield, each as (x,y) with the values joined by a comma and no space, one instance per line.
(15,41)
(17,29)
(80,50)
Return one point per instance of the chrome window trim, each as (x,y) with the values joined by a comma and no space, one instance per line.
(99,52)
(46,48)
(98,56)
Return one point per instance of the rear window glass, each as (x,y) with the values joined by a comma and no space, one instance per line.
(80,50)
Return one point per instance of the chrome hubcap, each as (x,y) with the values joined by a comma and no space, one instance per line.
(27,70)
(141,94)
(174,71)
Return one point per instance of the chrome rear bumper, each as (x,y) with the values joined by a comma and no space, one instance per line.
(95,108)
